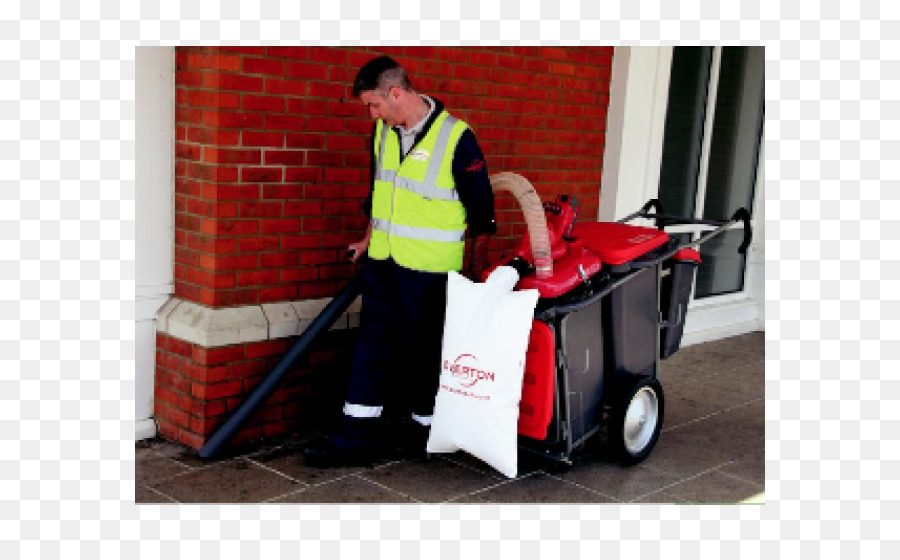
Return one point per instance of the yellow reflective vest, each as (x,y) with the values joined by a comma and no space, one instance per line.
(417,218)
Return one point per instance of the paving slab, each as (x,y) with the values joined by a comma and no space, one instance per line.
(750,467)
(233,481)
(684,455)
(150,467)
(432,481)
(622,483)
(713,488)
(536,488)
(182,455)
(736,432)
(348,490)
(288,460)
(660,497)
(526,462)
(715,357)
(145,495)
(692,398)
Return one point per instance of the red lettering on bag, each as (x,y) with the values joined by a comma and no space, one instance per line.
(465,368)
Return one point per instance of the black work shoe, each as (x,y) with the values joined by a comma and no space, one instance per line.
(412,442)
(324,453)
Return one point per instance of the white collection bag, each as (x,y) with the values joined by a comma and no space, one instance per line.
(483,362)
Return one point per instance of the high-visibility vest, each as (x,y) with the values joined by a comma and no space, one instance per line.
(417,218)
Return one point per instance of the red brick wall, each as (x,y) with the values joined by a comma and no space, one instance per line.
(198,388)
(272,153)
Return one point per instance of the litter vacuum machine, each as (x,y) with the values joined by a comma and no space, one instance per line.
(613,303)
(613,299)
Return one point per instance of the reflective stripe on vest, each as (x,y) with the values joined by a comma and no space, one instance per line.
(417,218)
(421,188)
(423,234)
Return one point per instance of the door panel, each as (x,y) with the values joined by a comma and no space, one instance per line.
(711,151)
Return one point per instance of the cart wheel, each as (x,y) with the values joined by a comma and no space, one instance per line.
(636,420)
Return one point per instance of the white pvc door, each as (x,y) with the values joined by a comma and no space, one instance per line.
(710,164)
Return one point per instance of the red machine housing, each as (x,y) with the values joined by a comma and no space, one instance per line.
(536,406)
(616,243)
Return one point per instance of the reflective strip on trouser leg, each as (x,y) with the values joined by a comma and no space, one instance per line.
(423,420)
(362,411)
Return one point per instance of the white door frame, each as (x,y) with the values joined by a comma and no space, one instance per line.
(635,128)
(636,121)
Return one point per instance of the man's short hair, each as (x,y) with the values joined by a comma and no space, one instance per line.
(381,74)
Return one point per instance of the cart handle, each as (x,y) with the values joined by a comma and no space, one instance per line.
(655,203)
(741,214)
(662,220)
(652,203)
(643,212)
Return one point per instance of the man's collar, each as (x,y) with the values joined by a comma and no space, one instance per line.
(416,128)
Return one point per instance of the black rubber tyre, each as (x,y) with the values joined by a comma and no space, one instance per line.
(635,420)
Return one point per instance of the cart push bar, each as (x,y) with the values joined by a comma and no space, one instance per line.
(662,220)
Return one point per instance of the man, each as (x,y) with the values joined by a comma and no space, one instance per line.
(430,185)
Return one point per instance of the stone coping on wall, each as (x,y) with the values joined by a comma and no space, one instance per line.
(212,327)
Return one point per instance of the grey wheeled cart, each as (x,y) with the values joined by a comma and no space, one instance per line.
(595,347)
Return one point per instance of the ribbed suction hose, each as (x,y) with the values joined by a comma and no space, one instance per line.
(533,210)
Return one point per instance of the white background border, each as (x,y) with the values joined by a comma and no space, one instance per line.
(68,294)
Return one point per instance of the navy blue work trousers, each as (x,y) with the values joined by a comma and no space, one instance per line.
(397,359)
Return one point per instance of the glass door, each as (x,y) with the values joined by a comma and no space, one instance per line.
(710,157)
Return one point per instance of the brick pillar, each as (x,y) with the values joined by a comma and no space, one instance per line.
(271,169)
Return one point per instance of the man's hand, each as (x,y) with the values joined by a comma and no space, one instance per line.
(355,250)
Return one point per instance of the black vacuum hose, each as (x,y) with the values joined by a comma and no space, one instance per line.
(342,300)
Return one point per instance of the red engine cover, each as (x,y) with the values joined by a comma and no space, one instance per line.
(617,243)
